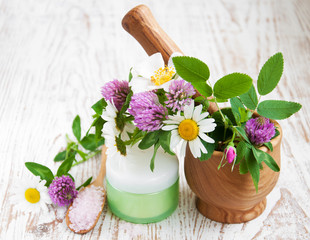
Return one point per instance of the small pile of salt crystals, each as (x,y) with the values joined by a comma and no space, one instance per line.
(85,208)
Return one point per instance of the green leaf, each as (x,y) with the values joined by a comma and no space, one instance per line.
(90,142)
(242,132)
(270,74)
(76,127)
(130,75)
(42,171)
(277,134)
(85,184)
(269,146)
(194,71)
(200,99)
(136,136)
(98,127)
(262,156)
(164,141)
(235,104)
(60,156)
(245,115)
(277,109)
(149,140)
(218,100)
(249,98)
(243,168)
(229,114)
(210,148)
(161,94)
(152,164)
(242,151)
(271,163)
(99,106)
(204,101)
(126,103)
(232,85)
(65,167)
(121,146)
(253,167)
(258,154)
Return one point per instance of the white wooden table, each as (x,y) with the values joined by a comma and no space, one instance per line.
(56,54)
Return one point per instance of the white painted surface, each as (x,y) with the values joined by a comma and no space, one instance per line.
(56,54)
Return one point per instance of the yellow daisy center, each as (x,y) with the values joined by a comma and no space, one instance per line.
(163,75)
(32,195)
(188,129)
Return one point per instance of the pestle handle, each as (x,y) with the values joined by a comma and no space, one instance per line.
(141,24)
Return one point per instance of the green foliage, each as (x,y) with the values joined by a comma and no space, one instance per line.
(277,109)
(149,140)
(161,94)
(98,124)
(242,151)
(203,101)
(232,85)
(242,133)
(85,184)
(156,146)
(262,156)
(121,146)
(253,167)
(249,98)
(130,75)
(210,148)
(156,139)
(65,167)
(99,106)
(236,105)
(76,127)
(60,156)
(243,168)
(269,146)
(270,74)
(42,171)
(164,141)
(194,71)
(91,143)
(126,103)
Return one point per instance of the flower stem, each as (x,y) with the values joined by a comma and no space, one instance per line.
(87,157)
(224,120)
(220,111)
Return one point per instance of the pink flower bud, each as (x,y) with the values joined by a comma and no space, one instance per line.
(230,153)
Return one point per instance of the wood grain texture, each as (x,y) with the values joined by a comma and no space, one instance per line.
(141,24)
(227,196)
(55,56)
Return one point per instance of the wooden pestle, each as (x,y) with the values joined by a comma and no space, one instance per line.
(141,24)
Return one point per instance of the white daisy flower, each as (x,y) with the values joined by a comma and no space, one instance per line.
(30,195)
(110,113)
(153,74)
(190,128)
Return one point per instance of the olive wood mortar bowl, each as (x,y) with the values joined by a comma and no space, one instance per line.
(227,196)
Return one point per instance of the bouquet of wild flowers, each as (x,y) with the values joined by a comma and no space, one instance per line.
(167,106)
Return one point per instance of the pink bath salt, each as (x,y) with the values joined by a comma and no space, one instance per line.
(85,208)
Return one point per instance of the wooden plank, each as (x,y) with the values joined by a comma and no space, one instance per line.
(55,56)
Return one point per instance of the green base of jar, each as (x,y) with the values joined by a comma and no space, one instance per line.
(143,208)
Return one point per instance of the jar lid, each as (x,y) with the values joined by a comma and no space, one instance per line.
(133,174)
